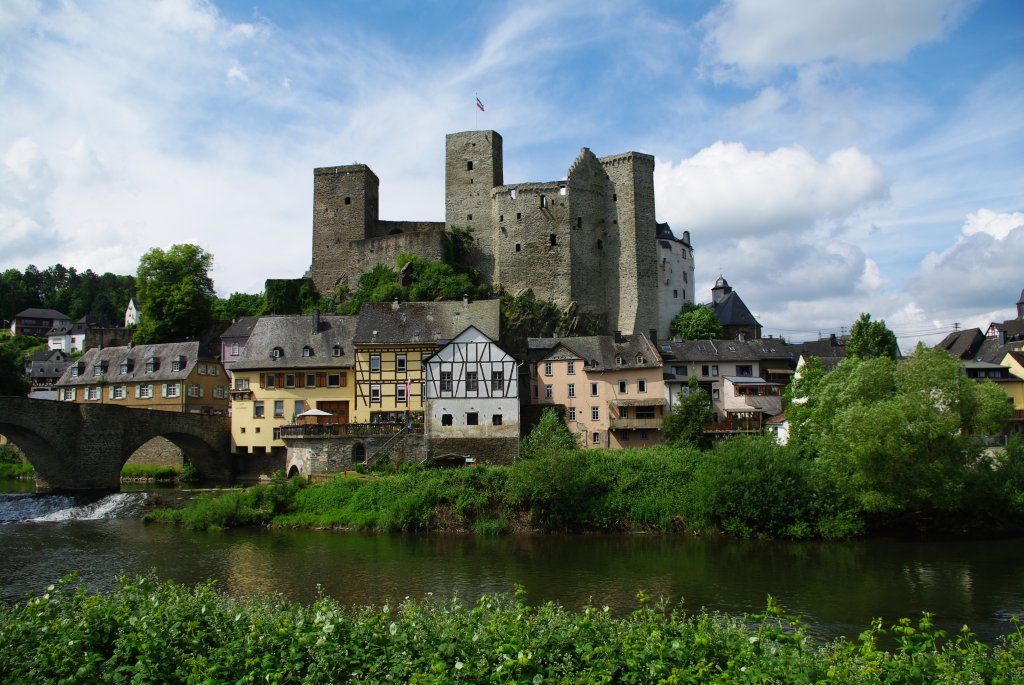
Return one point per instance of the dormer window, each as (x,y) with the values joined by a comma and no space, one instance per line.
(99,369)
(152,364)
(175,365)
(76,370)
(307,351)
(618,360)
(127,366)
(276,353)
(640,359)
(336,352)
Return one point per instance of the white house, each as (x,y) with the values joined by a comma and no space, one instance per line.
(472,400)
(132,314)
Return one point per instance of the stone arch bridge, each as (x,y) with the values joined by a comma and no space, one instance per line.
(83,447)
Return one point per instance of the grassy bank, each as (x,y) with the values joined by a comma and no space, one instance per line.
(746,487)
(153,632)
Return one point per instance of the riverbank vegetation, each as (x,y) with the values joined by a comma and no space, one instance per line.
(158,474)
(161,632)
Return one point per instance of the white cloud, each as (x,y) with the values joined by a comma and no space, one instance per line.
(755,37)
(995,224)
(197,17)
(728,191)
(236,73)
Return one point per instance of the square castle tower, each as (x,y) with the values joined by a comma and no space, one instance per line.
(589,240)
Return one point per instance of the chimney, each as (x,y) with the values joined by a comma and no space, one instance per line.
(465,300)
(652,333)
(316,321)
(618,337)
(394,305)
(832,339)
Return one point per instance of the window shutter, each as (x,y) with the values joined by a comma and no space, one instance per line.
(74,394)
(344,379)
(202,391)
(321,379)
(110,392)
(263,380)
(138,392)
(163,390)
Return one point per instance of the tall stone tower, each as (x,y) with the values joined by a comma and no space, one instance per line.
(473,167)
(632,175)
(345,208)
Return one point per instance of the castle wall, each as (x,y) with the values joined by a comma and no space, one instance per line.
(345,208)
(594,277)
(473,167)
(363,255)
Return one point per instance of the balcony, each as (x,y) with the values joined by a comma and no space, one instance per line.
(632,424)
(346,430)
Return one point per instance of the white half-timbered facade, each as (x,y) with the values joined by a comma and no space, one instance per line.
(472,390)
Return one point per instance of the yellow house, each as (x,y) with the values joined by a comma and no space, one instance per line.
(179,377)
(611,386)
(1014,388)
(391,342)
(290,365)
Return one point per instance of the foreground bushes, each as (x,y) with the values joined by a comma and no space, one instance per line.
(153,632)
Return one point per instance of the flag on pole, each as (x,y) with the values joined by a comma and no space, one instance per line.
(479,105)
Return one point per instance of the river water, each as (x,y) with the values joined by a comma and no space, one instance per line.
(836,587)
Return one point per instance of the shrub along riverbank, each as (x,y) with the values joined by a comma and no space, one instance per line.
(153,632)
(749,487)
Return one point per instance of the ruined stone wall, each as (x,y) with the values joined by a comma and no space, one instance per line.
(314,456)
(632,174)
(345,209)
(473,167)
(363,255)
(384,229)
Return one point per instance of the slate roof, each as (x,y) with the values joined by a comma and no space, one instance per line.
(732,311)
(241,328)
(36,313)
(599,351)
(291,334)
(112,357)
(716,350)
(382,323)
(963,344)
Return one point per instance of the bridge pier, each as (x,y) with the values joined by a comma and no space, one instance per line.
(83,447)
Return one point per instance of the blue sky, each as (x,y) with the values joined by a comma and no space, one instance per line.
(828,158)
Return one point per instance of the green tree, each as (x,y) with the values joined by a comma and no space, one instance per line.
(238,305)
(905,437)
(175,292)
(871,339)
(684,426)
(549,438)
(697,322)
(12,371)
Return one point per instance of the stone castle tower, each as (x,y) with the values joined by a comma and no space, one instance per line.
(590,239)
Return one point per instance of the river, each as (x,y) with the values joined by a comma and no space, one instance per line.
(836,587)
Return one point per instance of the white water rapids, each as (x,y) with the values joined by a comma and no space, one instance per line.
(50,508)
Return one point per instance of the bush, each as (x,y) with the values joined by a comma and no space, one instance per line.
(15,471)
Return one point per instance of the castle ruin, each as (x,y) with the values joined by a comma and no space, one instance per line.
(590,239)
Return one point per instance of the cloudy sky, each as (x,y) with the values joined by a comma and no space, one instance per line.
(827,157)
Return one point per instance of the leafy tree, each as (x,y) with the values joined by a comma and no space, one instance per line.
(684,426)
(176,293)
(12,371)
(697,322)
(905,437)
(238,305)
(549,438)
(871,339)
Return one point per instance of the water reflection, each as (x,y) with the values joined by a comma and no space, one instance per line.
(836,587)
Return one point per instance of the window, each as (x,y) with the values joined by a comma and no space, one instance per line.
(675,294)
(579,222)
(469,217)
(496,420)
(543,201)
(640,359)
(276,433)
(714,369)
(119,392)
(271,380)
(300,406)
(307,351)
(519,248)
(194,390)
(152,365)
(594,390)
(336,351)
(145,391)
(176,365)
(547,368)
(348,200)
(680,370)
(744,370)
(714,394)
(92,393)
(446,419)
(125,367)
(643,435)
(220,392)
(472,418)
(571,367)
(333,380)
(548,392)
(600,246)
(400,393)
(595,413)
(497,381)
(172,389)
(278,408)
(471,381)
(552,240)
(97,370)
(519,216)
(572,413)
(446,381)
(234,349)
(469,165)
(645,412)
(618,360)
(69,394)
(641,385)
(289,380)
(74,371)
(241,383)
(595,438)
(400,363)
(310,380)
(623,387)
(375,363)
(374,394)
(572,390)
